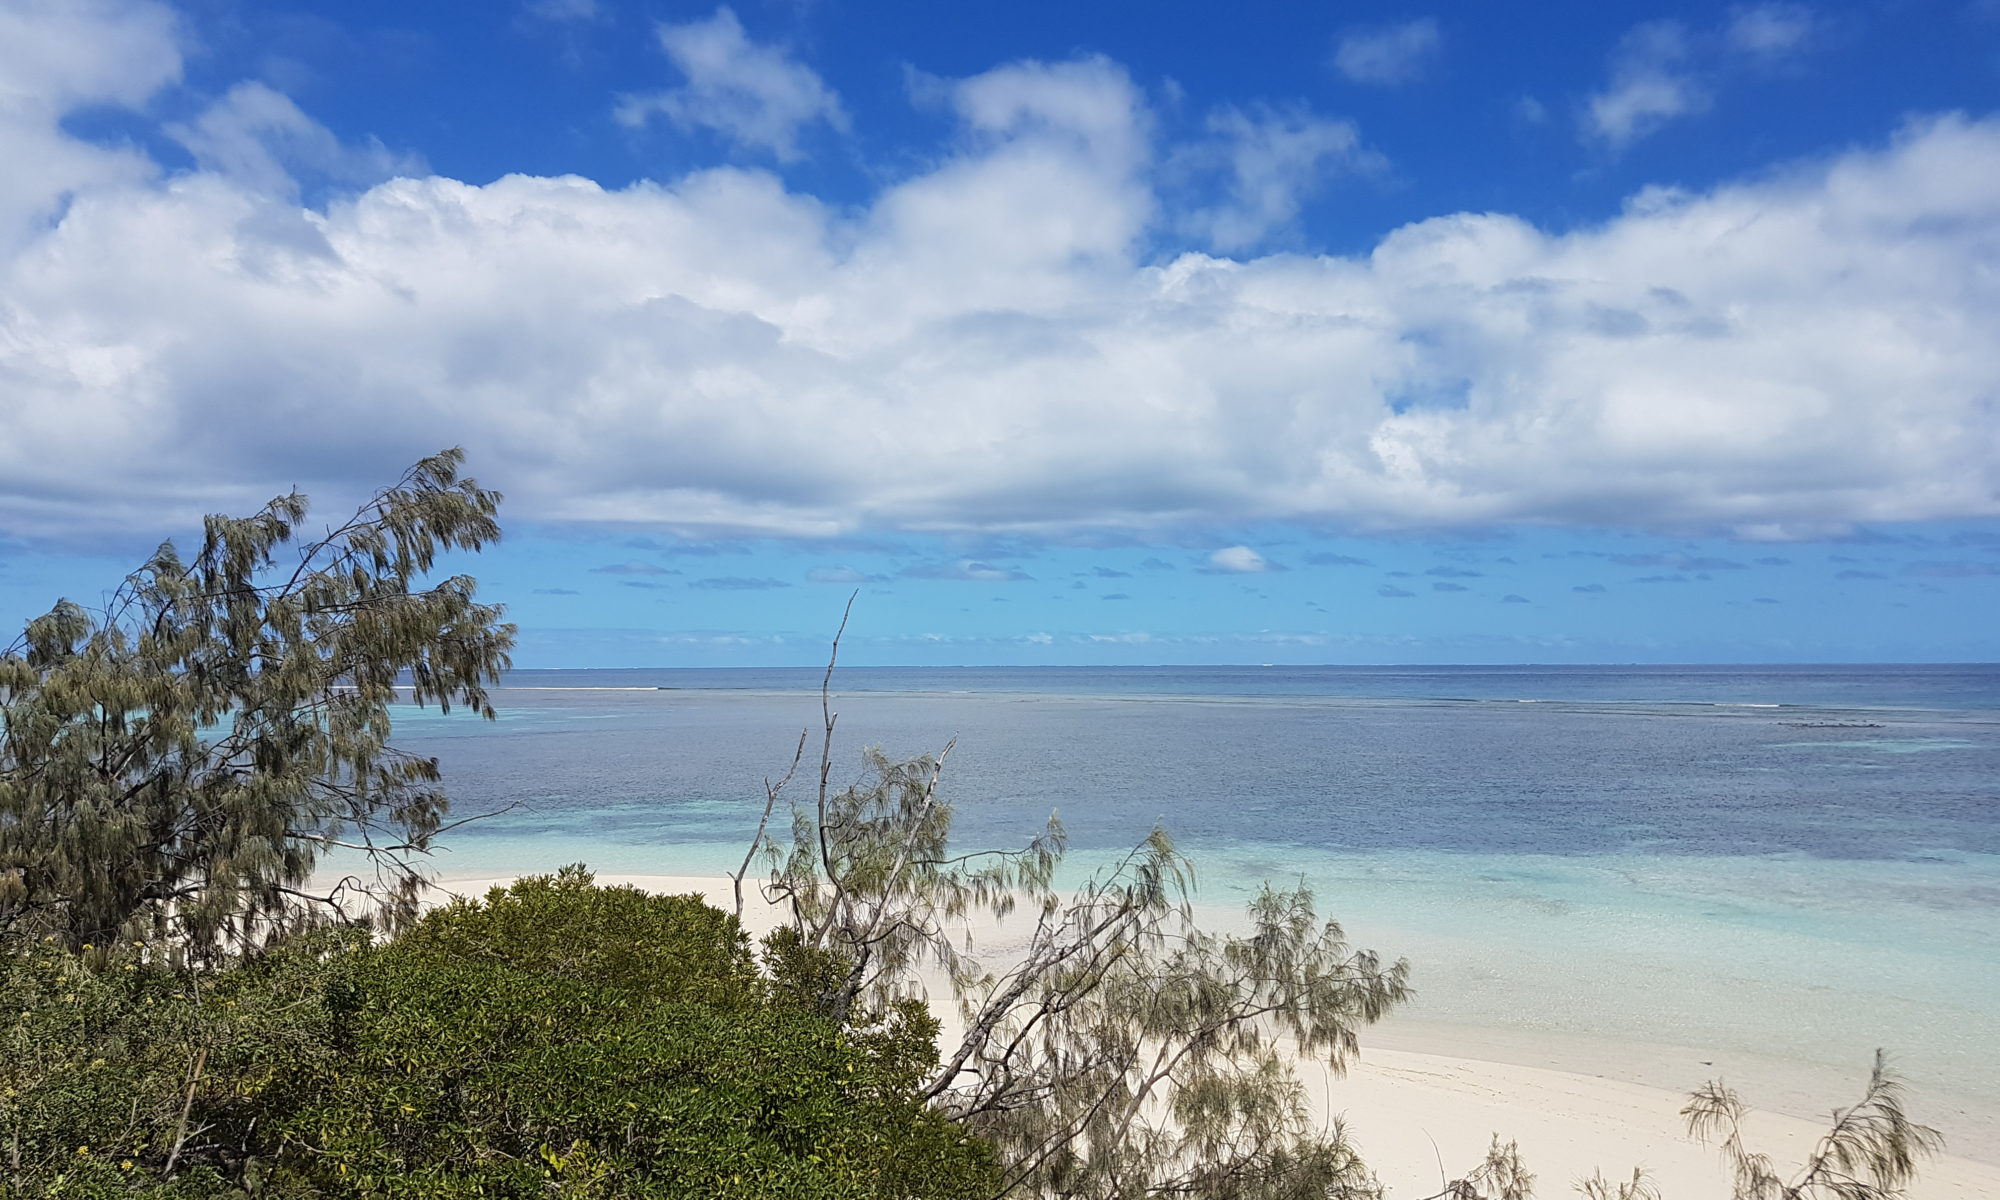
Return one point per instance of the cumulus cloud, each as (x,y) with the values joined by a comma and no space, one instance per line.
(1445,585)
(1388,55)
(988,345)
(1650,85)
(260,139)
(1272,160)
(1770,30)
(1391,592)
(1237,560)
(756,95)
(57,56)
(1663,70)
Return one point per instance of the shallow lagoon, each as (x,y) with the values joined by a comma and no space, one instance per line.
(1800,862)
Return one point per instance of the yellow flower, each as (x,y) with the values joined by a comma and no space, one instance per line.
(126,1165)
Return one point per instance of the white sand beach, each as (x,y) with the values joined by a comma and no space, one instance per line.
(1425,1099)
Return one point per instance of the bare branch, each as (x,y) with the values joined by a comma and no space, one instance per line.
(1127,1051)
(771,792)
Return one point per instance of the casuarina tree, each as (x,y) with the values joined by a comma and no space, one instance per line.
(1123,1051)
(181,762)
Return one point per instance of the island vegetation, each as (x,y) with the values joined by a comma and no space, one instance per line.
(188,1015)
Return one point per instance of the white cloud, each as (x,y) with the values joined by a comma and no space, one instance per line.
(1650,85)
(1389,55)
(1769,31)
(57,56)
(1274,159)
(259,138)
(755,95)
(63,53)
(984,346)
(1662,70)
(1240,560)
(1087,103)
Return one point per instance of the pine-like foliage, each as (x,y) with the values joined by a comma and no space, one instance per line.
(1870,1152)
(1502,1175)
(1638,1187)
(178,764)
(1125,1052)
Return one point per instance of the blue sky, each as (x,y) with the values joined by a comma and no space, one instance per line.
(1111,333)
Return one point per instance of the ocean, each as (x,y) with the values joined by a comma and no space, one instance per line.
(1801,862)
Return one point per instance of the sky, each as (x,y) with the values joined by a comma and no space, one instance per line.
(1057,333)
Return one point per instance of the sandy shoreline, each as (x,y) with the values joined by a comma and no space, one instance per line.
(1421,1093)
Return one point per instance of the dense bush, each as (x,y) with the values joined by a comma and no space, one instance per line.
(555,1039)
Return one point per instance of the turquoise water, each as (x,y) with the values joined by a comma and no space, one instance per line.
(1802,861)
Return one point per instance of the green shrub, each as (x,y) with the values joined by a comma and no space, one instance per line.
(555,1039)
(114,1068)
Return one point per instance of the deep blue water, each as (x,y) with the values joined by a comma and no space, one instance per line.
(1854,763)
(1933,686)
(1797,859)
